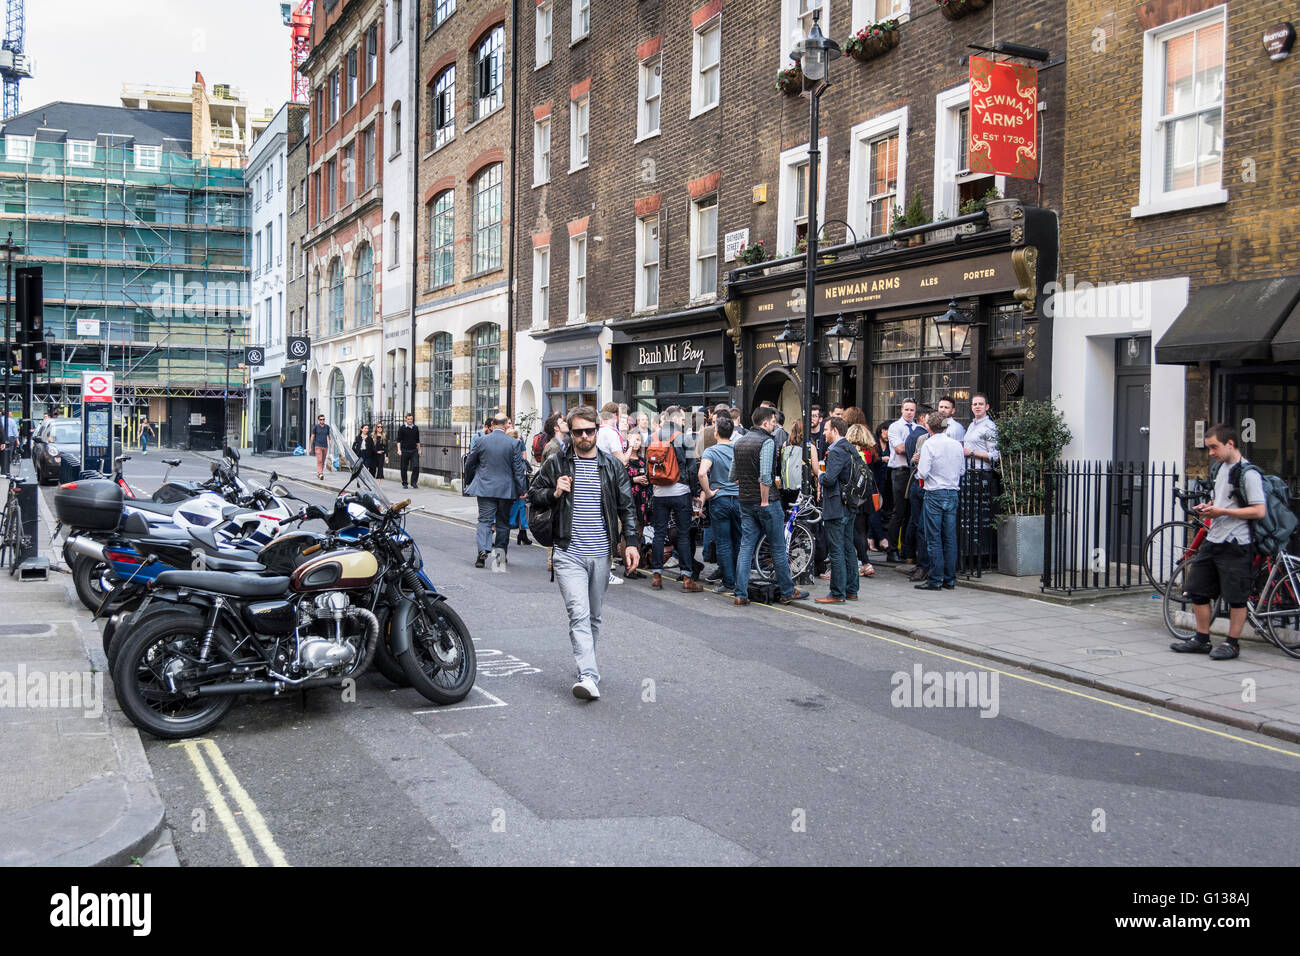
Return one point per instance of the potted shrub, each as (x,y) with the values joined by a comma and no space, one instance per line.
(873,40)
(1031,437)
(915,215)
(790,81)
(753,253)
(956,9)
(1002,210)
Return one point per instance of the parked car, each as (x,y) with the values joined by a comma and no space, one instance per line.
(56,450)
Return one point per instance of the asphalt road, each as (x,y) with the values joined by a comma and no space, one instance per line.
(724,736)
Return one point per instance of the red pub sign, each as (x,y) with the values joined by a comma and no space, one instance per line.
(1003,119)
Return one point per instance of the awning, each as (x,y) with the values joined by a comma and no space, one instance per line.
(1232,322)
(1286,343)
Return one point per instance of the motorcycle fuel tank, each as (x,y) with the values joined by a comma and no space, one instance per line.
(284,554)
(335,570)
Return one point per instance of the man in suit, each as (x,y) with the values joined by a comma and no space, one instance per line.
(837,516)
(499,480)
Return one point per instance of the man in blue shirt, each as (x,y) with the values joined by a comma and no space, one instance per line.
(760,507)
(837,516)
(723,497)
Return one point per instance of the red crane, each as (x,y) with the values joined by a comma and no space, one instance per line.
(299,24)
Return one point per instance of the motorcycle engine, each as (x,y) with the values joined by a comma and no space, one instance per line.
(316,651)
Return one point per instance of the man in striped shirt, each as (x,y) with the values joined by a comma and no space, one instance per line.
(590,496)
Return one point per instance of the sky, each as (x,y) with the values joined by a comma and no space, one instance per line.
(84,50)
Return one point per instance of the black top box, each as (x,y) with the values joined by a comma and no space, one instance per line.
(94,505)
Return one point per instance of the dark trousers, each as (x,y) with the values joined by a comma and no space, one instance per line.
(494,511)
(411,460)
(724,514)
(916,529)
(898,520)
(680,507)
(844,556)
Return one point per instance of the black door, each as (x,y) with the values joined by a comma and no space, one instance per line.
(1132,448)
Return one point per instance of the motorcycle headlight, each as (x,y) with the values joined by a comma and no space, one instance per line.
(357,512)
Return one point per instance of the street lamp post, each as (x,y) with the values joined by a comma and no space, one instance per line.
(9,249)
(814,54)
(49,371)
(225,396)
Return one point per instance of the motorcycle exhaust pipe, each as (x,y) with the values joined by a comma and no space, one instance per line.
(228,688)
(87,548)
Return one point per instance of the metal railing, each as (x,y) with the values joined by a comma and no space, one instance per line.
(976,516)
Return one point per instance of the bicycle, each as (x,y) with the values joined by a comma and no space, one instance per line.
(799,542)
(1170,544)
(1272,610)
(12,540)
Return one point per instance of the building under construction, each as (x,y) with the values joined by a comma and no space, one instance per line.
(139,220)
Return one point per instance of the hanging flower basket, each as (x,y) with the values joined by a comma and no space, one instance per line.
(873,40)
(956,9)
(790,82)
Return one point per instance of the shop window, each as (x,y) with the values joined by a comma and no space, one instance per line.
(570,386)
(908,363)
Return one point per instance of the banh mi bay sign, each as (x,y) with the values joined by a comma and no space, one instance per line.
(960,277)
(671,353)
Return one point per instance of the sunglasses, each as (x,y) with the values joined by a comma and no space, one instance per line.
(583,431)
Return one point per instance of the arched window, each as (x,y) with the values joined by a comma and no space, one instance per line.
(489,72)
(364,288)
(442,108)
(365,396)
(441,238)
(336,296)
(486,371)
(485,249)
(440,380)
(338,402)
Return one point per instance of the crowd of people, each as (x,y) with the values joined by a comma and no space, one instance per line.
(651,490)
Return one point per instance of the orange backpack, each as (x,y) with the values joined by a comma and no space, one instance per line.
(661,463)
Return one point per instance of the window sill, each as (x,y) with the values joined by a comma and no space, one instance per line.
(1176,202)
(544,182)
(443,146)
(576,40)
(708,109)
(438,288)
(646,136)
(485,117)
(703,299)
(485,272)
(578,169)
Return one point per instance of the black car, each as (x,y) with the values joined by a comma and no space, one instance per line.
(56,450)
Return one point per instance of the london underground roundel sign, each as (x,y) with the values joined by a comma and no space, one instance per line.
(97,386)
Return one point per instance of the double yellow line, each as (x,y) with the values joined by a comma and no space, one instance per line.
(195,750)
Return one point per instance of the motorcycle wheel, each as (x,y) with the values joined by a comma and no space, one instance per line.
(437,632)
(86,574)
(385,661)
(140,687)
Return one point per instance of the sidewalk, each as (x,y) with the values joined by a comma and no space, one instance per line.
(77,788)
(1116,644)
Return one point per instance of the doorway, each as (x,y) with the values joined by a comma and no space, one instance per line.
(1132,447)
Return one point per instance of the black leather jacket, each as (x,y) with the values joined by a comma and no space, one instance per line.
(616,503)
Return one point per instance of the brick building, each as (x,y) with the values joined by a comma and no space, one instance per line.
(293,400)
(461,117)
(629,287)
(344,239)
(1181,162)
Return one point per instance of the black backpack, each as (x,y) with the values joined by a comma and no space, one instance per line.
(541,518)
(858,486)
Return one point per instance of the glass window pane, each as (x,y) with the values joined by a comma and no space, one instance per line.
(666,383)
(573,378)
(692,384)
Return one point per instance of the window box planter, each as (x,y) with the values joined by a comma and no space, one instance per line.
(956,9)
(873,40)
(952,232)
(1003,212)
(790,82)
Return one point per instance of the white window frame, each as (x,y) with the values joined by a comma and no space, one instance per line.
(947,178)
(542,151)
(23,155)
(864,13)
(698,253)
(643,303)
(698,107)
(544,27)
(646,71)
(792,33)
(74,145)
(1153,200)
(861,137)
(395,240)
(541,286)
(141,152)
(578,280)
(579,8)
(578,135)
(787,192)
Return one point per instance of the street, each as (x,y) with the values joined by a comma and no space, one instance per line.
(723,736)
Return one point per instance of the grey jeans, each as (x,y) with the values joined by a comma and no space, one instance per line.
(583,582)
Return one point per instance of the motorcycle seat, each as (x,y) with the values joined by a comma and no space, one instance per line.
(154,507)
(227,562)
(174,462)
(223,582)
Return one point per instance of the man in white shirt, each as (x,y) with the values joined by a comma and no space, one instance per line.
(608,438)
(941,466)
(981,439)
(898,470)
(948,408)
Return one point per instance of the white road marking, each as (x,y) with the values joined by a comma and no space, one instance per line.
(496,702)
(218,802)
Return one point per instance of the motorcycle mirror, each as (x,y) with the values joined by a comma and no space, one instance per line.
(274,476)
(280,491)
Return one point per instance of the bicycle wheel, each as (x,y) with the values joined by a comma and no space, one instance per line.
(762,569)
(6,554)
(800,551)
(1165,549)
(14,537)
(1179,618)
(1278,610)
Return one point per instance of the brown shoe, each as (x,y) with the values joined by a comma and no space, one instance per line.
(740,602)
(689,585)
(829,600)
(850,597)
(657,581)
(798,595)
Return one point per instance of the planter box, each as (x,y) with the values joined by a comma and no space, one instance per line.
(1002,212)
(876,46)
(1020,545)
(960,8)
(951,232)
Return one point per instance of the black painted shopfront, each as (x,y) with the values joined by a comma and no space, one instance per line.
(893,295)
(685,360)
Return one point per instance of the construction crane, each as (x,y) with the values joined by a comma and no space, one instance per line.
(298,20)
(15,65)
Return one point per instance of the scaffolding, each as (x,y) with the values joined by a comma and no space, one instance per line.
(147,244)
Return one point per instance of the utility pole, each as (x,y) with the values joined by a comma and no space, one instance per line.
(225,415)
(9,250)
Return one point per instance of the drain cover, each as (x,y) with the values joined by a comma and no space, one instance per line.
(1104,652)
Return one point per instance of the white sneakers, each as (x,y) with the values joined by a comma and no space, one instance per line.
(586,689)
(614,578)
